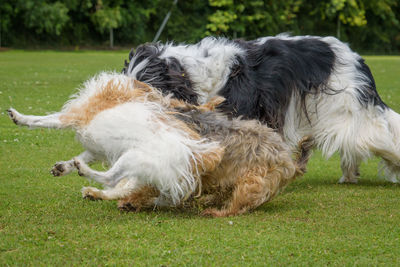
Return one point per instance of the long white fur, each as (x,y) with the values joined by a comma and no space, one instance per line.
(208,63)
(136,140)
(340,123)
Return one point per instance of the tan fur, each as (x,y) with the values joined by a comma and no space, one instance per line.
(208,162)
(251,173)
(114,94)
(93,194)
(249,168)
(139,199)
(212,104)
(209,106)
(252,168)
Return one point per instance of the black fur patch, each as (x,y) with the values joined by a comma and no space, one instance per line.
(215,126)
(262,83)
(166,74)
(368,94)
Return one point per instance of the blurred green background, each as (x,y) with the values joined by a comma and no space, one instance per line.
(370,26)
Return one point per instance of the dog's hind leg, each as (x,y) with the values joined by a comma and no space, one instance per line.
(49,121)
(121,190)
(379,136)
(250,192)
(391,163)
(386,145)
(109,178)
(128,165)
(62,168)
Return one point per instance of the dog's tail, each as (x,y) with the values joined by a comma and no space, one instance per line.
(303,154)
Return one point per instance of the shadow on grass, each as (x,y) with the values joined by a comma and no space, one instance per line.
(283,203)
(269,208)
(158,215)
(309,184)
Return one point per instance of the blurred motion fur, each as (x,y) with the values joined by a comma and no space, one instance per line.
(163,151)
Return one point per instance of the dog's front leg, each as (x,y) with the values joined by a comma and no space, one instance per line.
(62,168)
(121,190)
(122,168)
(49,121)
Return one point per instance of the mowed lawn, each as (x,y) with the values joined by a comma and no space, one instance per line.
(44,220)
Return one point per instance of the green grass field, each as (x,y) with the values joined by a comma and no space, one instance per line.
(44,220)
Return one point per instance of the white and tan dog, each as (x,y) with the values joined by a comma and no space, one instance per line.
(161,151)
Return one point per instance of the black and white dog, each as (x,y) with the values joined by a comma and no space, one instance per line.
(303,85)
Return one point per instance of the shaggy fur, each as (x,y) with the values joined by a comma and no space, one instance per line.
(163,151)
(303,85)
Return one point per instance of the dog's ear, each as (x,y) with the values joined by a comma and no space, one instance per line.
(147,52)
(165,74)
(126,62)
(178,81)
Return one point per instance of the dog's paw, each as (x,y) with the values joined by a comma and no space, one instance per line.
(91,193)
(126,206)
(347,180)
(60,169)
(12,113)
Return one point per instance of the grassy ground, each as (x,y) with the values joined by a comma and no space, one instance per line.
(44,221)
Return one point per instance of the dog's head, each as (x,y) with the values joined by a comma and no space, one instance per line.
(165,73)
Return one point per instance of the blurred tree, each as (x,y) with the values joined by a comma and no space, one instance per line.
(106,17)
(350,12)
(43,17)
(187,22)
(137,21)
(5,18)
(251,19)
(371,25)
(365,24)
(382,31)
